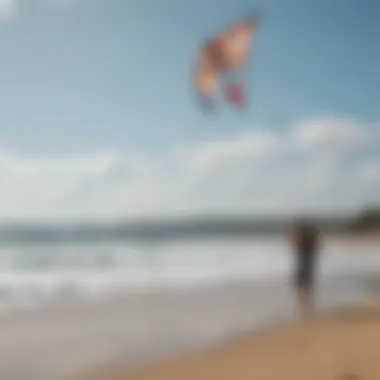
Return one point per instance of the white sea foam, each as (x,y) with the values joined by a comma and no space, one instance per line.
(45,272)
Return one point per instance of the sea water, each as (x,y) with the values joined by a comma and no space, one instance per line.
(31,275)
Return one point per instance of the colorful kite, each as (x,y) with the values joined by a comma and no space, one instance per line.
(220,60)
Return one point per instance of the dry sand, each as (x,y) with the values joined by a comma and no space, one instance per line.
(344,346)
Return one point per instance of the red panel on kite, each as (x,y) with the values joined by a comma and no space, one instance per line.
(235,95)
(221,55)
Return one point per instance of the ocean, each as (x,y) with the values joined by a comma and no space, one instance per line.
(42,273)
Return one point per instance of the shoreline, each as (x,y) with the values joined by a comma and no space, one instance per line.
(333,346)
(63,341)
(130,326)
(369,238)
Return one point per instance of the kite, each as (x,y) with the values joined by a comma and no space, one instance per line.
(221,58)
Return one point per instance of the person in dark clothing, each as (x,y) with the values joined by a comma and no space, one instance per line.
(306,244)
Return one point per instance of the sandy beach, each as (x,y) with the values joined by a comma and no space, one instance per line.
(68,340)
(343,346)
(130,327)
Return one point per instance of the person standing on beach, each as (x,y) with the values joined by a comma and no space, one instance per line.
(305,245)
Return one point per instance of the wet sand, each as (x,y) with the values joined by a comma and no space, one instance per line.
(67,340)
(344,346)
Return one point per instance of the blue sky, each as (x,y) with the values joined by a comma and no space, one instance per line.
(115,72)
(84,77)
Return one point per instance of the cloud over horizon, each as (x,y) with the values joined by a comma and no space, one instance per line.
(252,173)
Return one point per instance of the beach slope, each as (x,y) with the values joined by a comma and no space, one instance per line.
(343,346)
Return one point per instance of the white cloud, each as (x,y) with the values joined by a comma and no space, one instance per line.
(249,173)
(331,134)
(242,152)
